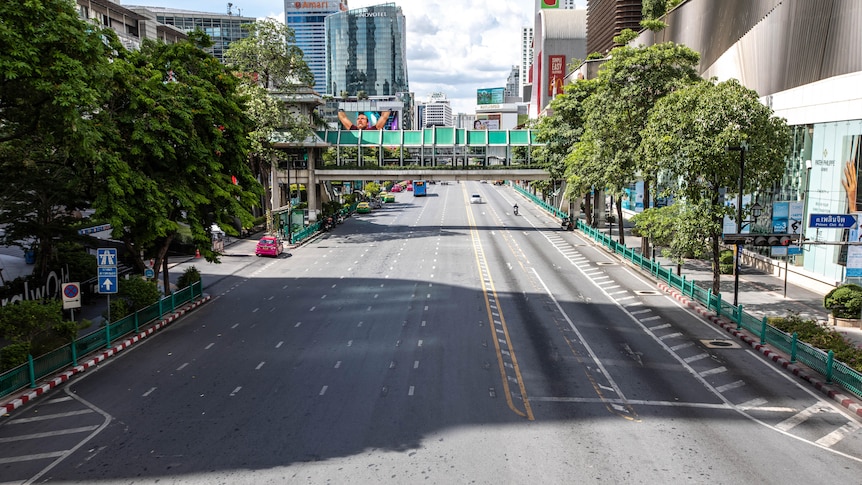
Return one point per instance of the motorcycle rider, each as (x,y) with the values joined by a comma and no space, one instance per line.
(515,208)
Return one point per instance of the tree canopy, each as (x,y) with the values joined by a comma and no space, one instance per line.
(689,136)
(51,68)
(177,150)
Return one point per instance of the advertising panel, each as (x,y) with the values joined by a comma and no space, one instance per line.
(492,122)
(556,74)
(369,120)
(490,95)
(550,3)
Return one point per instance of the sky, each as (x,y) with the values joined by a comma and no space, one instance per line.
(453,47)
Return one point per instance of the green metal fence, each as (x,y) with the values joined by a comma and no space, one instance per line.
(312,229)
(818,360)
(38,367)
(539,202)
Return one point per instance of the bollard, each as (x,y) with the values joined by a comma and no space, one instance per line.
(739,316)
(74,345)
(763,331)
(830,360)
(136,322)
(793,345)
(108,335)
(32,370)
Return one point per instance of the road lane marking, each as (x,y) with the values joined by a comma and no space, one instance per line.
(48,434)
(279,344)
(148,392)
(489,293)
(235,391)
(716,370)
(799,417)
(323,390)
(259,366)
(46,417)
(732,385)
(839,434)
(209,346)
(595,358)
(182,366)
(37,456)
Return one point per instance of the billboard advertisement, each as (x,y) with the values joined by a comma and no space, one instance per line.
(550,3)
(490,95)
(490,122)
(369,120)
(556,75)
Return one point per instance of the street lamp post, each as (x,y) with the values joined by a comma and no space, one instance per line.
(742,148)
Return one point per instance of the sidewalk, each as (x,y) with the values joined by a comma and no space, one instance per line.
(760,293)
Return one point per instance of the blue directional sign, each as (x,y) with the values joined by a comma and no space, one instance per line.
(106,257)
(107,280)
(832,221)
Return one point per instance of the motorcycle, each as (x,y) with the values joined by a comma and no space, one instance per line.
(515,209)
(567,225)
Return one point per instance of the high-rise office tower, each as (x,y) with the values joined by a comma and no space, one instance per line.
(307,21)
(526,57)
(607,18)
(437,111)
(366,52)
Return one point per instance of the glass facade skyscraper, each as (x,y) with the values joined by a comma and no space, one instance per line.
(307,21)
(366,51)
(222,28)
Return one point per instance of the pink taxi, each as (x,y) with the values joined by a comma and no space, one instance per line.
(269,246)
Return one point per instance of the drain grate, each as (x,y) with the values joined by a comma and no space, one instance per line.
(720,344)
(648,292)
(605,263)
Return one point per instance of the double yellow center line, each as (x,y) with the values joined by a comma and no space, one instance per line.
(506,359)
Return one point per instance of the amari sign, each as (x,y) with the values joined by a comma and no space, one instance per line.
(302,5)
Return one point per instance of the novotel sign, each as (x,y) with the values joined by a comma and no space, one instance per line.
(370,14)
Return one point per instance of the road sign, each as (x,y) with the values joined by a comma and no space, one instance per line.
(106,257)
(71,296)
(107,280)
(149,273)
(832,221)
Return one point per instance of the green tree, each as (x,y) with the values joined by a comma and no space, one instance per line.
(561,131)
(28,319)
(177,150)
(687,136)
(629,85)
(53,65)
(271,69)
(133,294)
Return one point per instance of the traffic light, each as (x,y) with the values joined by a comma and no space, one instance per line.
(772,239)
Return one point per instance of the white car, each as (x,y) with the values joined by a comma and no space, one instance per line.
(475,199)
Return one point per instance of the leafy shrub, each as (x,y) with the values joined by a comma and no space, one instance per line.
(133,294)
(190,275)
(725,262)
(824,338)
(13,355)
(844,301)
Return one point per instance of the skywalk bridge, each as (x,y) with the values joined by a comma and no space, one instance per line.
(440,153)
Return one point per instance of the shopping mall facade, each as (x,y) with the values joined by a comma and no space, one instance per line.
(804,58)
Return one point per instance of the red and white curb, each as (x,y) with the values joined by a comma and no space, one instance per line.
(65,376)
(832,392)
